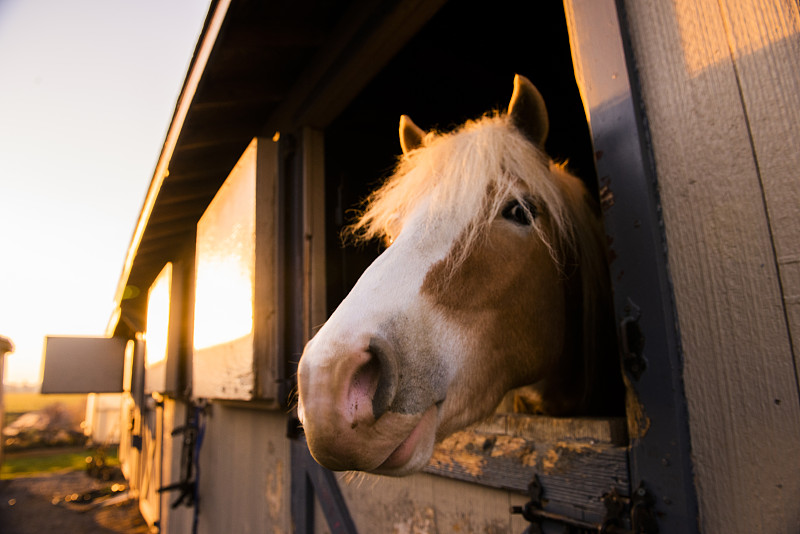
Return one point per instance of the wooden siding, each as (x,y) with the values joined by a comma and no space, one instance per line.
(424,503)
(244,473)
(150,461)
(129,455)
(721,91)
(179,518)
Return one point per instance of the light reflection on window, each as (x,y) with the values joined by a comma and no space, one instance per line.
(158,317)
(224,301)
(225,262)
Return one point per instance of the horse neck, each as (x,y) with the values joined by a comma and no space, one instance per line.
(587,378)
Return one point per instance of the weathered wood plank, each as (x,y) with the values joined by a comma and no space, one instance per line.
(244,473)
(575,473)
(482,472)
(423,503)
(739,372)
(765,42)
(314,230)
(609,430)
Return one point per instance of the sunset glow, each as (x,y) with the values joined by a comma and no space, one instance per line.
(88,91)
(157,334)
(224,302)
(225,261)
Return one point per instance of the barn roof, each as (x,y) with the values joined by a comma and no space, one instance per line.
(6,345)
(259,67)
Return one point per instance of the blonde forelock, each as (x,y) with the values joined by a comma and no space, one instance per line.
(467,176)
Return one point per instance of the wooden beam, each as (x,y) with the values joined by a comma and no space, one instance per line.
(660,454)
(243,90)
(171,227)
(574,472)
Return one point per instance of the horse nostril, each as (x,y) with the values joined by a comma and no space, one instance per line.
(363,387)
(387,376)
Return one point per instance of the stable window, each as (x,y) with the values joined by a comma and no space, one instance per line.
(235,329)
(165,336)
(159,366)
(444,76)
(83,364)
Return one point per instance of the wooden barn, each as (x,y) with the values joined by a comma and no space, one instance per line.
(682,117)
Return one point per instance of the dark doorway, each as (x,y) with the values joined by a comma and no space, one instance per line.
(459,66)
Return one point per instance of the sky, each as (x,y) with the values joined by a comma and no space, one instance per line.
(87,92)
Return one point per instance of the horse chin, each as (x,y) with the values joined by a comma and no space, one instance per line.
(415,450)
(396,444)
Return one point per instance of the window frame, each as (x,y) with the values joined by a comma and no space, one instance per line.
(659,450)
(263,345)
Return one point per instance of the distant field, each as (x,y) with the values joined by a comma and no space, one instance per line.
(51,461)
(16,403)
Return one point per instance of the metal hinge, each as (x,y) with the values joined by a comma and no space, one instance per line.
(639,510)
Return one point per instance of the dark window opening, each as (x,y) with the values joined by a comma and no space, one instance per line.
(458,67)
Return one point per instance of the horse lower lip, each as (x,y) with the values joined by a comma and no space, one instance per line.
(404,452)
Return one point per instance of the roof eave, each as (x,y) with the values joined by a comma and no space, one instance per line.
(206,42)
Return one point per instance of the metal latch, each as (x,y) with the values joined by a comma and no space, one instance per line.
(534,513)
(642,516)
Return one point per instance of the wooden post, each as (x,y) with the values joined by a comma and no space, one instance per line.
(721,92)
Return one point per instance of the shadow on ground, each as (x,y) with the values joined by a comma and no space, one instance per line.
(32,505)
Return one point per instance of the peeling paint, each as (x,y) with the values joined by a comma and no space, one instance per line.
(562,456)
(549,461)
(460,452)
(465,524)
(469,451)
(274,492)
(638,422)
(422,521)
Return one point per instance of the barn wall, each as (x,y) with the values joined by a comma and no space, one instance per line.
(721,89)
(244,473)
(426,504)
(178,519)
(129,455)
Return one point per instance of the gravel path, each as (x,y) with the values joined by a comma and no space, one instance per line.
(35,505)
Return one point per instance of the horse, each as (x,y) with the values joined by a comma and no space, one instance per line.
(494,277)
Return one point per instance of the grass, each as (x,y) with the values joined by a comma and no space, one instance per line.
(49,461)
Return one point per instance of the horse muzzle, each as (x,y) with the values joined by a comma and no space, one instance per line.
(355,410)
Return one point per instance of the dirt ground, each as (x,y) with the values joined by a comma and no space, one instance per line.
(39,504)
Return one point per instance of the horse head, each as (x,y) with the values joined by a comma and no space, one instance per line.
(491,280)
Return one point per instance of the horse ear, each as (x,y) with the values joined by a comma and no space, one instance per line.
(411,135)
(528,112)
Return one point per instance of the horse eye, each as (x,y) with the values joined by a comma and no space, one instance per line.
(521,213)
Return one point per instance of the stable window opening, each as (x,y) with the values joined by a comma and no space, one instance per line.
(442,78)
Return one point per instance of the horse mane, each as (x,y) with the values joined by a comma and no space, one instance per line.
(475,169)
(455,170)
